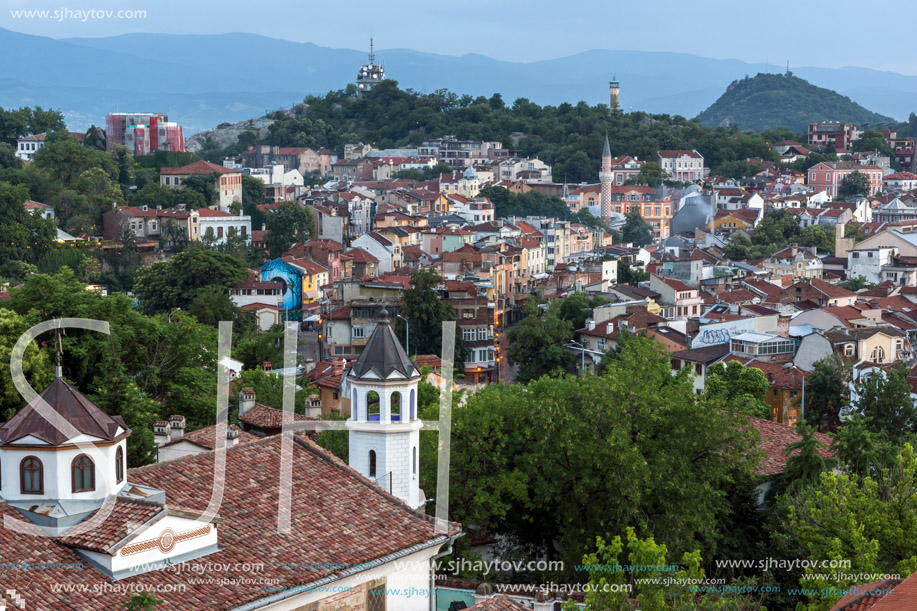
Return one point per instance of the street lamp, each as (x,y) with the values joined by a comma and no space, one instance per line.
(173,312)
(407,333)
(582,355)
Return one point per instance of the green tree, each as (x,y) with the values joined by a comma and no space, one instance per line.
(36,364)
(288,224)
(805,466)
(557,462)
(176,283)
(861,451)
(636,230)
(651,174)
(653,587)
(212,305)
(828,392)
(630,275)
(885,401)
(855,183)
(144,601)
(538,344)
(23,236)
(577,308)
(205,185)
(737,388)
(858,282)
(426,312)
(865,521)
(738,247)
(118,394)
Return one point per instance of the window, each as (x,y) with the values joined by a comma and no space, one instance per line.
(412,404)
(83,473)
(119,465)
(372,406)
(482,333)
(358,332)
(395,406)
(31,476)
(848,349)
(698,369)
(676,364)
(468,334)
(414,461)
(482,356)
(372,463)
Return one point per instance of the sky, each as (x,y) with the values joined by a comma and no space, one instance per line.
(824,34)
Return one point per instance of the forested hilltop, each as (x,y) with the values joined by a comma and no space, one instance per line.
(568,136)
(771,100)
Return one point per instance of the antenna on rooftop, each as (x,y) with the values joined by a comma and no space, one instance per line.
(372,55)
(59,349)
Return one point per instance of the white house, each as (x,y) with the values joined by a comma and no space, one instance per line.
(218,225)
(28,146)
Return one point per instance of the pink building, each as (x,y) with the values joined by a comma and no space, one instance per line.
(143,133)
(828,175)
(679,301)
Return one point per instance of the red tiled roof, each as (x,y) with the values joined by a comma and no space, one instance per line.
(672,154)
(199,167)
(775,438)
(882,595)
(206,437)
(361,256)
(499,603)
(265,417)
(126,515)
(676,284)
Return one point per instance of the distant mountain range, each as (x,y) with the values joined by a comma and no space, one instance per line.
(201,81)
(772,100)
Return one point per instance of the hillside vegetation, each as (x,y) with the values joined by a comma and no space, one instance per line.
(768,101)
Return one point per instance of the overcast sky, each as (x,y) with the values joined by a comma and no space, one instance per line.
(828,34)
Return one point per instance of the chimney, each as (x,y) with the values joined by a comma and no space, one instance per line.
(783,325)
(246,399)
(337,367)
(610,328)
(794,248)
(161,432)
(590,324)
(266,366)
(232,436)
(177,423)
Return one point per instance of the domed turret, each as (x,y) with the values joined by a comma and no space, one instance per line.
(384,426)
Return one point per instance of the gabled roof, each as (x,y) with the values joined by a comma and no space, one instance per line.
(502,602)
(206,437)
(266,417)
(199,167)
(775,438)
(383,357)
(70,406)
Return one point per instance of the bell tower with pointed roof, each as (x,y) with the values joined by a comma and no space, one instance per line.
(384,427)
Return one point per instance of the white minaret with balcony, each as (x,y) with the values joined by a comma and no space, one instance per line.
(384,427)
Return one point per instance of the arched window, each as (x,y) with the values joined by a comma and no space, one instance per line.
(119,465)
(412,404)
(354,406)
(395,406)
(31,476)
(372,405)
(414,461)
(372,463)
(83,474)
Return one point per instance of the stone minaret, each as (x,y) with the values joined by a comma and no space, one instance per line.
(606,176)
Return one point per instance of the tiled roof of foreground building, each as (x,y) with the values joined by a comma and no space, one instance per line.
(337,517)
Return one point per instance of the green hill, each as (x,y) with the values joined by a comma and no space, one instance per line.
(767,101)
